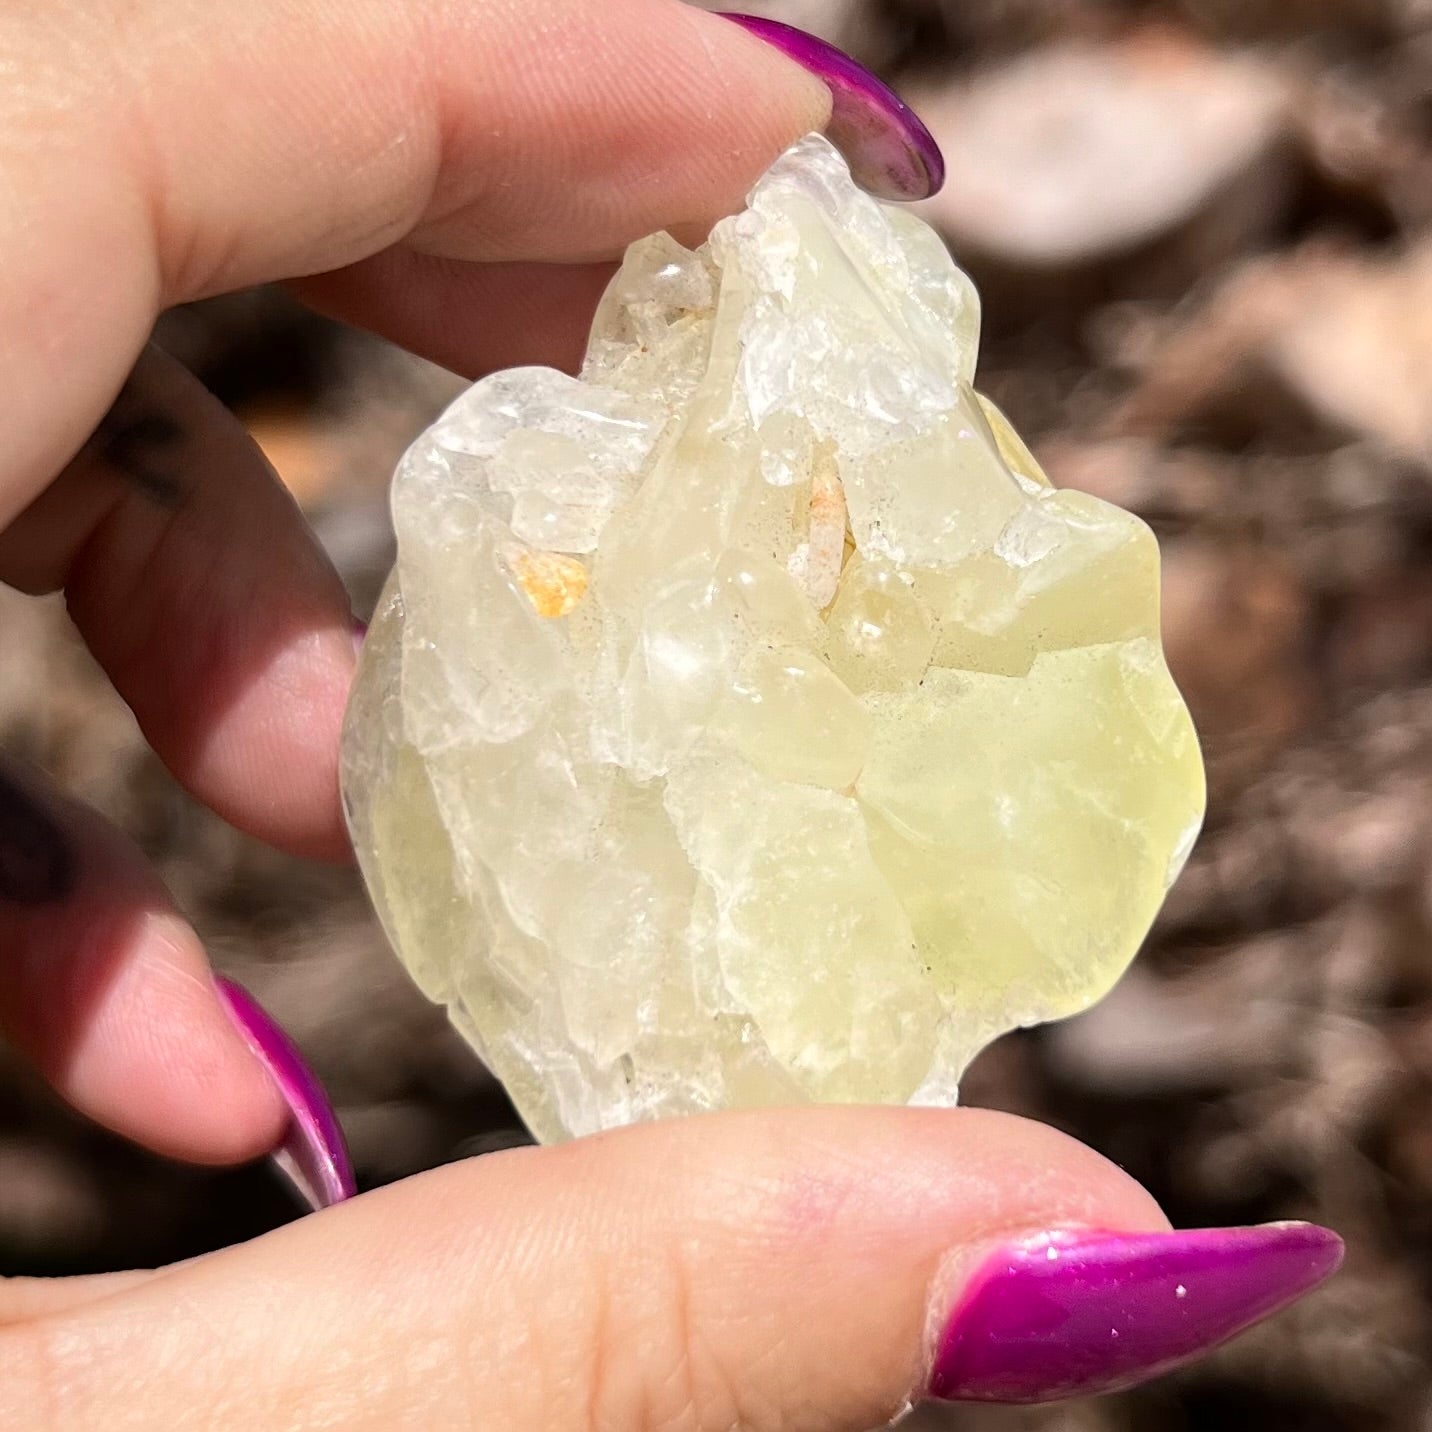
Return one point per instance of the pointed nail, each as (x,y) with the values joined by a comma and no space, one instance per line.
(1072,1314)
(889,150)
(313,1154)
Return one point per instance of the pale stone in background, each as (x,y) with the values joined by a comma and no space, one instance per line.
(1076,151)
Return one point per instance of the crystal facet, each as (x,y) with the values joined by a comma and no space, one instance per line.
(749,720)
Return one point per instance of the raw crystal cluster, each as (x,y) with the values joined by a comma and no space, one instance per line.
(749,720)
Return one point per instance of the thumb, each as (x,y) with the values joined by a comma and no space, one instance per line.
(811,1269)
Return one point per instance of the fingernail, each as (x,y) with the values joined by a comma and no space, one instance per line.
(313,1155)
(360,631)
(890,152)
(1075,1313)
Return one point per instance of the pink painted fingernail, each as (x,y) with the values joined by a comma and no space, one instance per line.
(889,150)
(1076,1313)
(313,1154)
(360,632)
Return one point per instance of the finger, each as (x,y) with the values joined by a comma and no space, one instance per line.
(22,1299)
(802,1269)
(106,987)
(553,130)
(197,584)
(471,318)
(485,129)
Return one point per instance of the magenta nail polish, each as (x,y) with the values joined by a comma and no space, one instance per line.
(890,152)
(360,634)
(313,1154)
(1075,1313)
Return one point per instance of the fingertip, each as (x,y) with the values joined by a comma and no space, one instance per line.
(263,753)
(212,1101)
(775,69)
(164,1060)
(646,115)
(116,1005)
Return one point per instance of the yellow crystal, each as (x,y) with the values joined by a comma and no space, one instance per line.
(749,720)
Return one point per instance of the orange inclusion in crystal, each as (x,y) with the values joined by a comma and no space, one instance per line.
(554,584)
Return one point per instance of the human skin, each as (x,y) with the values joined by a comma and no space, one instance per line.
(456,175)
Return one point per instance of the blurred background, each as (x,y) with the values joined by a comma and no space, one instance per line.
(1203,234)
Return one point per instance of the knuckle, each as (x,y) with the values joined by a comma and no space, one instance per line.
(658,1361)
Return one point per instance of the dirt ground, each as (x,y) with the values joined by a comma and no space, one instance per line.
(1203,231)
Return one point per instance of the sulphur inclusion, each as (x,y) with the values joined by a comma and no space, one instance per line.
(749,721)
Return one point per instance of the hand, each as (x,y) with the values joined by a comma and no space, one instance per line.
(457,175)
(452,173)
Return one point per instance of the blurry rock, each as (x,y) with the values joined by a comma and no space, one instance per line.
(1089,1416)
(1121,471)
(1379,842)
(346,445)
(1334,19)
(1234,629)
(297,448)
(1136,474)
(1339,1348)
(1152,1034)
(1080,151)
(1236,880)
(381,398)
(1361,137)
(49,1198)
(999,27)
(1385,632)
(358,537)
(1346,337)
(251,345)
(1358,346)
(1200,372)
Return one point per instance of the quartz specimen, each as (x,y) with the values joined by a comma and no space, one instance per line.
(749,721)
